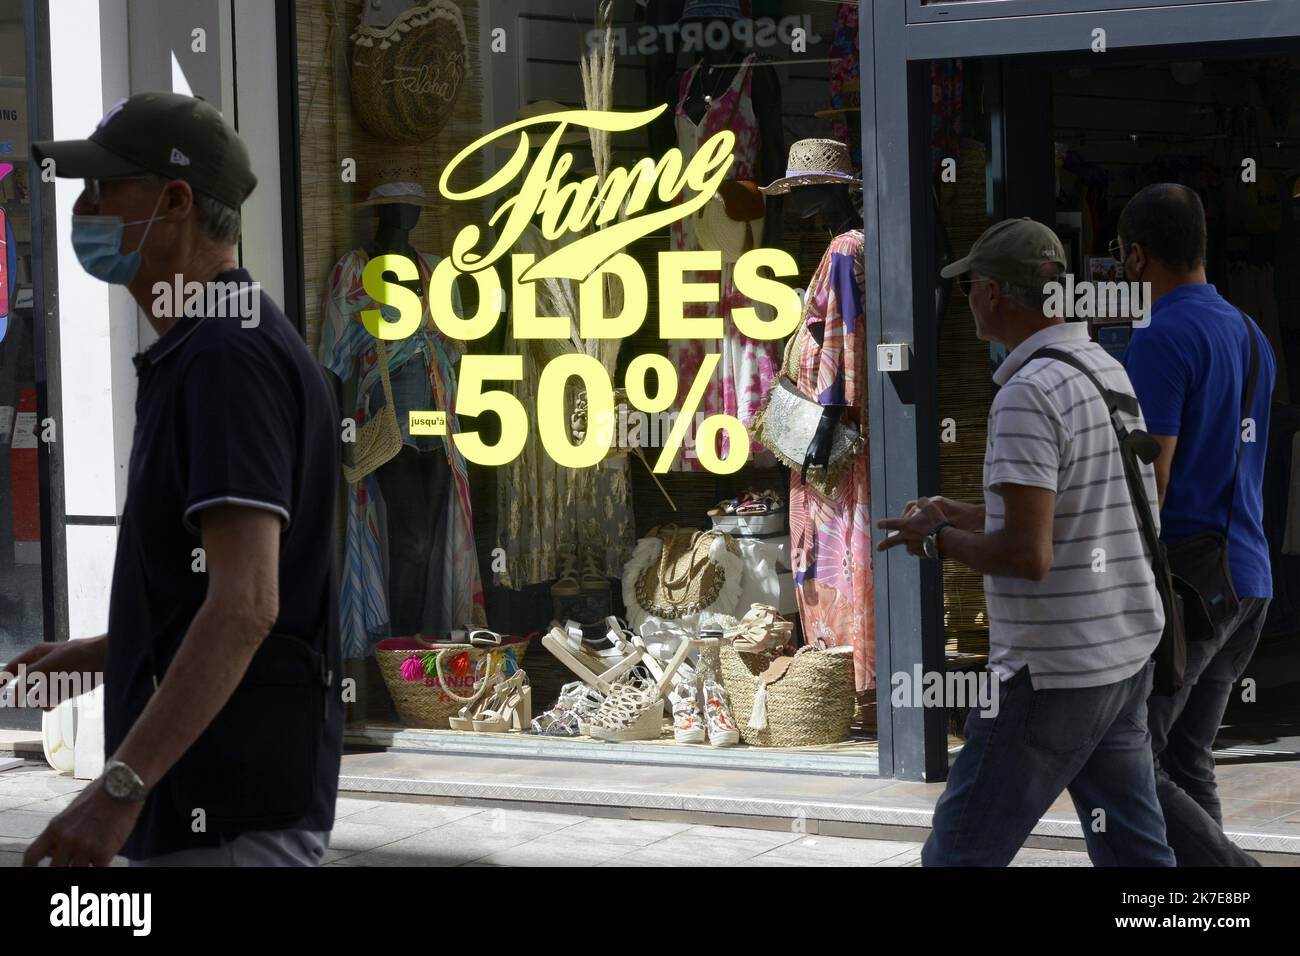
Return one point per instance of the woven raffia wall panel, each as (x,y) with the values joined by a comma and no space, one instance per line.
(330,134)
(965,393)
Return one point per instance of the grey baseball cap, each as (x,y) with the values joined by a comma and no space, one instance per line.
(1014,250)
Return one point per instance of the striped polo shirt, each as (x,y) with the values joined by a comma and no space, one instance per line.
(1096,616)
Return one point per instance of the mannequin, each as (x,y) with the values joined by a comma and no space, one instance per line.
(830,512)
(410,563)
(715,74)
(727,90)
(831,205)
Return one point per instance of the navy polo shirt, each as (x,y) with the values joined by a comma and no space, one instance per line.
(1188,369)
(225,414)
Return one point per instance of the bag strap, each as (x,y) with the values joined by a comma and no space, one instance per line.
(382,352)
(1247,403)
(1115,403)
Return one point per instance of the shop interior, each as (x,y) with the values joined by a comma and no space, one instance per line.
(1085,140)
(1200,122)
(21,614)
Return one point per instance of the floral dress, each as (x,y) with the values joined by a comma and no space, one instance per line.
(830,536)
(348,350)
(748,367)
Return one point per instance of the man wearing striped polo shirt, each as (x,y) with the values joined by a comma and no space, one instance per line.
(1073,609)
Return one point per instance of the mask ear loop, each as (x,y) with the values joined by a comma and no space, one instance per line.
(153,217)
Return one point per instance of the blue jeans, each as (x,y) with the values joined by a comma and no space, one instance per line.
(1092,741)
(1183,727)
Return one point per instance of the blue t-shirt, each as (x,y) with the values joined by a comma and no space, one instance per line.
(1188,369)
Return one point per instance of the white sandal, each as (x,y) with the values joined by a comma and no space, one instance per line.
(762,630)
(631,712)
(510,707)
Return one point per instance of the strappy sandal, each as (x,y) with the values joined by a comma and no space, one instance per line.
(464,719)
(631,712)
(761,631)
(511,706)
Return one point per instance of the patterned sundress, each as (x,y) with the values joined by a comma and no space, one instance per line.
(348,350)
(749,366)
(830,536)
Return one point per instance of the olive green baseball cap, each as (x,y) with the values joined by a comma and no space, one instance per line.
(169,134)
(1013,250)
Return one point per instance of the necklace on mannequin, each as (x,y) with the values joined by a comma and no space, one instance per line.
(719,86)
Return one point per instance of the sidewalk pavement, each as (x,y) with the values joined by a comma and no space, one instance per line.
(414,831)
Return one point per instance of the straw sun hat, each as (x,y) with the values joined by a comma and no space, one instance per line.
(396,184)
(813,162)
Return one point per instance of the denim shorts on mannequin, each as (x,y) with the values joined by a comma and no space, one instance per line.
(411,392)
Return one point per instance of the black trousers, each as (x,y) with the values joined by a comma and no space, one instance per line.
(415,486)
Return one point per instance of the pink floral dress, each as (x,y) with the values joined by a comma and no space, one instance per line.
(830,537)
(748,367)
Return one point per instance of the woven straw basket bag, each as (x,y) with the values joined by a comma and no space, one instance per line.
(380,439)
(811,704)
(431,701)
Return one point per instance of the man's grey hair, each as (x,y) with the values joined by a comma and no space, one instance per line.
(220,223)
(1025,297)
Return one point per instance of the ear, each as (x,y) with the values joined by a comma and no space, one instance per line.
(178,200)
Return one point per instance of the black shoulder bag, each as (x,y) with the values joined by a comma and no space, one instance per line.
(1200,561)
(1170,654)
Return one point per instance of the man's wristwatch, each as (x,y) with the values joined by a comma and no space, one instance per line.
(932,539)
(123,783)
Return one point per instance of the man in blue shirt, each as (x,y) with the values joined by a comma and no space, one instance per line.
(1189,368)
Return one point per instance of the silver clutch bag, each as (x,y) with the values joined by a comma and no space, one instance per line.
(787,424)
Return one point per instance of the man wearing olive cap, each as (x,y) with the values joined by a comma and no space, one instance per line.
(222,711)
(1074,613)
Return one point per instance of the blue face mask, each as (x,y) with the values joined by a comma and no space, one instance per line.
(97,241)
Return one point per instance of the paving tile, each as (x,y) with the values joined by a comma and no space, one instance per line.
(356,837)
(625,832)
(1238,812)
(909,857)
(410,816)
(49,804)
(39,783)
(515,825)
(763,839)
(12,801)
(694,849)
(21,824)
(347,806)
(442,847)
(1030,856)
(555,849)
(10,859)
(832,851)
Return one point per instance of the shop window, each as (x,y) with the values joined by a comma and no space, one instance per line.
(497,519)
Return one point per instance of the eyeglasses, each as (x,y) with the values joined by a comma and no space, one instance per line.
(965,282)
(1116,250)
(95,190)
